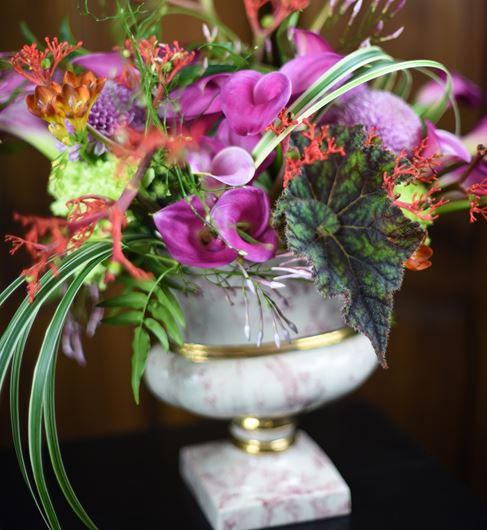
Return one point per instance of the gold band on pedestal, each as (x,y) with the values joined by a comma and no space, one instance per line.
(199,353)
(279,434)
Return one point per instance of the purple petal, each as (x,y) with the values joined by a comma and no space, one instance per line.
(476,137)
(307,42)
(9,82)
(16,119)
(187,238)
(304,71)
(102,64)
(251,101)
(464,91)
(246,209)
(200,98)
(228,137)
(233,166)
(446,143)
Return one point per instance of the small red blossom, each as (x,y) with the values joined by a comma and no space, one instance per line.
(37,66)
(164,60)
(320,147)
(474,193)
(372,137)
(420,260)
(281,9)
(44,240)
(417,169)
(285,120)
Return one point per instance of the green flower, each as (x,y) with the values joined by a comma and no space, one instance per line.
(70,180)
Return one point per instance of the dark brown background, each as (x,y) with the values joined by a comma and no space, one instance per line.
(436,387)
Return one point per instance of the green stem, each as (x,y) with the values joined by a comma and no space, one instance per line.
(321,18)
(456,206)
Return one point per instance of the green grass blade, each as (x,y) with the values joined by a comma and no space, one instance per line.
(49,285)
(6,293)
(43,393)
(270,141)
(15,414)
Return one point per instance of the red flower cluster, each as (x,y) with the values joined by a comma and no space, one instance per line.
(164,60)
(39,67)
(281,10)
(320,147)
(474,193)
(419,168)
(286,120)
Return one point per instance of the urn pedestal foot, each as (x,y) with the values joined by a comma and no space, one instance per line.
(241,491)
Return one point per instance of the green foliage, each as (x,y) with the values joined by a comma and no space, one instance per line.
(337,215)
(72,272)
(152,308)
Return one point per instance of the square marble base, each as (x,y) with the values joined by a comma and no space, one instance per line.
(238,491)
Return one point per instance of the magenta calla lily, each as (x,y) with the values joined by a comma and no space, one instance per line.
(476,137)
(242,218)
(464,91)
(102,64)
(16,120)
(232,166)
(303,71)
(307,42)
(445,143)
(251,100)
(188,239)
(198,99)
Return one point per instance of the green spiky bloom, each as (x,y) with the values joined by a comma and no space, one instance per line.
(75,179)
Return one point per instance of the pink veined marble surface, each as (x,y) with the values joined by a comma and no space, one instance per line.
(269,386)
(238,491)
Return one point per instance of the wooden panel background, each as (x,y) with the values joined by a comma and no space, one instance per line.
(436,387)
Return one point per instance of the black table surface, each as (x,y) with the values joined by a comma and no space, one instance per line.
(132,481)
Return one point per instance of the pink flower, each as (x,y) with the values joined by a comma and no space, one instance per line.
(251,100)
(210,237)
(188,239)
(242,218)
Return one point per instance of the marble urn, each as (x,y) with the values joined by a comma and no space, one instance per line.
(268,472)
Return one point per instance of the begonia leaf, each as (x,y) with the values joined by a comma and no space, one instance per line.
(336,213)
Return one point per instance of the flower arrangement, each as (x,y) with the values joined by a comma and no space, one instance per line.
(286,159)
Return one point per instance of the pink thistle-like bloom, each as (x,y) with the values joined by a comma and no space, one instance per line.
(395,122)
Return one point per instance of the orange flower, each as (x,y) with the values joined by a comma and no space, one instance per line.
(420,260)
(70,103)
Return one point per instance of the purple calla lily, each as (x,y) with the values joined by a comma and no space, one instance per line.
(251,100)
(242,218)
(188,239)
(445,143)
(304,70)
(102,64)
(199,99)
(307,42)
(232,166)
(477,136)
(15,119)
(464,91)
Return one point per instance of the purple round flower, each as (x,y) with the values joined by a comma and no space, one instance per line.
(395,121)
(115,107)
